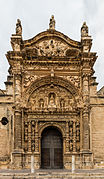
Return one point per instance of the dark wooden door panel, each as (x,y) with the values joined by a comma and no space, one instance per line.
(45,158)
(52,149)
(58,156)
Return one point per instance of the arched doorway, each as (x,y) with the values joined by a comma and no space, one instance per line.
(51,148)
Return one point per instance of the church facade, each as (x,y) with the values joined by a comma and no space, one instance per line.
(52,103)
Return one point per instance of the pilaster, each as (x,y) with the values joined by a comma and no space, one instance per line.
(85,114)
(67,136)
(74,137)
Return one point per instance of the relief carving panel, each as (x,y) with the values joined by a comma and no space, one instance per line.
(51,47)
(51,98)
(73,79)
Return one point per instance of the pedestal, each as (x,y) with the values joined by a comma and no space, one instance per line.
(17,159)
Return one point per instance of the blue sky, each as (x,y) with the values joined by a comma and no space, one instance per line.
(69,16)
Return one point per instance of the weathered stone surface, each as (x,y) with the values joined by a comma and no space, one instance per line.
(51,86)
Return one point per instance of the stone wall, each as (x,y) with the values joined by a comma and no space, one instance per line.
(97,133)
(3,134)
(6,134)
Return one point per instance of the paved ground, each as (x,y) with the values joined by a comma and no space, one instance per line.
(52,170)
(52,174)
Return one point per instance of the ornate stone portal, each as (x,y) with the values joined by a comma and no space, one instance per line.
(52,82)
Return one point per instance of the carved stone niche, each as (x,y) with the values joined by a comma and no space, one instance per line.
(51,98)
(52,103)
(72,53)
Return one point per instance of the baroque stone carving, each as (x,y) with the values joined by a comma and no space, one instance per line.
(72,53)
(52,23)
(74,136)
(51,47)
(29,136)
(16,43)
(29,53)
(51,98)
(84,30)
(52,90)
(52,104)
(18,27)
(29,79)
(74,80)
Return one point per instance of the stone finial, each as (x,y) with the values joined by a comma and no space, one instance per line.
(16,39)
(84,30)
(52,23)
(18,27)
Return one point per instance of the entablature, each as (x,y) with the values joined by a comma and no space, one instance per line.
(70,116)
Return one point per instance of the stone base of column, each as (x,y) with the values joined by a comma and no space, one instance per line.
(26,160)
(17,159)
(37,161)
(67,161)
(86,160)
(83,160)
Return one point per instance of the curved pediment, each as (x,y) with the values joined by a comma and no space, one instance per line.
(50,43)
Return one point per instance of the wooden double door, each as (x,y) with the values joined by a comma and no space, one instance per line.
(51,149)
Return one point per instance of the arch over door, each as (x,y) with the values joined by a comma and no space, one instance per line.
(51,148)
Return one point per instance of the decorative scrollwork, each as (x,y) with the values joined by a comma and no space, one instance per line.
(72,53)
(51,48)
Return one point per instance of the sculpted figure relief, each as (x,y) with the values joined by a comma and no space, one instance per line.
(41,103)
(62,103)
(52,100)
(52,23)
(84,30)
(47,98)
(51,48)
(18,27)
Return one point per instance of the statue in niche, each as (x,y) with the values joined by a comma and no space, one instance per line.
(52,100)
(62,103)
(32,104)
(84,30)
(41,103)
(18,27)
(52,23)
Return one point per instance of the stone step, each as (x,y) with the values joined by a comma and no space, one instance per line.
(97,176)
(52,175)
